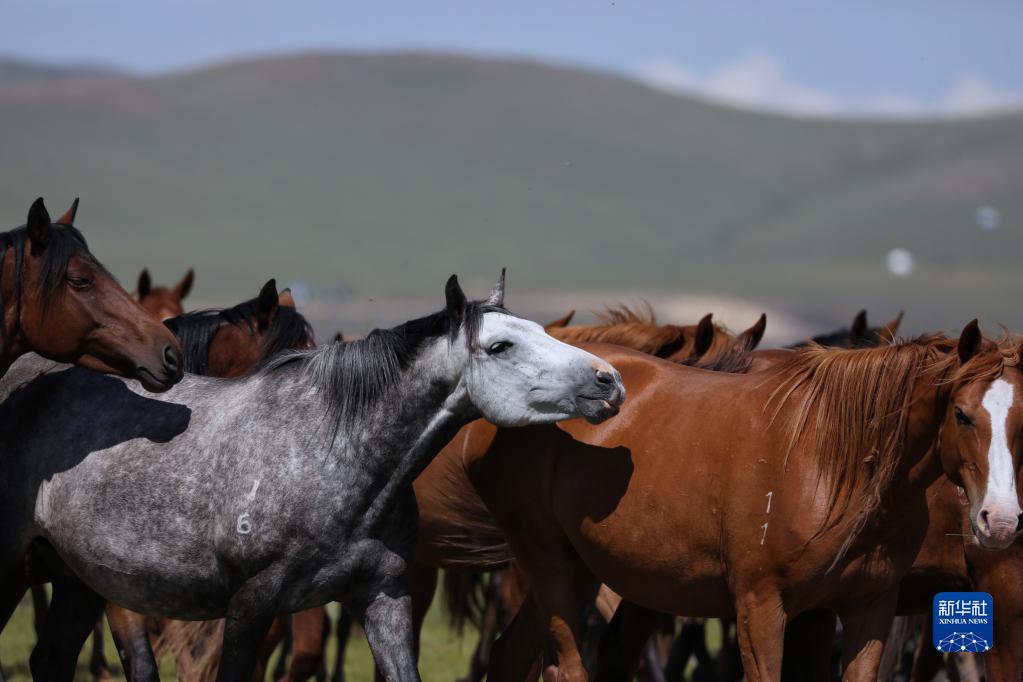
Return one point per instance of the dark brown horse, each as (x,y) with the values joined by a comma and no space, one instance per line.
(857,335)
(61,303)
(163,303)
(654,522)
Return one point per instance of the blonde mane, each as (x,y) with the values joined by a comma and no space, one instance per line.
(851,408)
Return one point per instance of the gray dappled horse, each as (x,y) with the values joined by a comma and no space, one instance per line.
(272,493)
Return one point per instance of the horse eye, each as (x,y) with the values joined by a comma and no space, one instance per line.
(79,282)
(499,347)
(962,418)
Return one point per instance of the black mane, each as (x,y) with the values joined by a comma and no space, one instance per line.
(355,374)
(196,330)
(843,338)
(64,242)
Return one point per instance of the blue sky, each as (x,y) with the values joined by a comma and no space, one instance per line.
(822,58)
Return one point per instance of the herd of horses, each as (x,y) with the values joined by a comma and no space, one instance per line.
(211,480)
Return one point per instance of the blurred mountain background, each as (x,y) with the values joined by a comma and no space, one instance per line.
(365,179)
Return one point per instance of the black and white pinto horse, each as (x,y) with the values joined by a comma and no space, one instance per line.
(272,493)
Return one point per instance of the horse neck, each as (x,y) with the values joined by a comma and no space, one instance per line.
(401,434)
(921,459)
(12,340)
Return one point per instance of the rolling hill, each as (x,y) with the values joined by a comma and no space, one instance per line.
(379,174)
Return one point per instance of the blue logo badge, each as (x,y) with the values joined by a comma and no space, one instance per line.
(963,621)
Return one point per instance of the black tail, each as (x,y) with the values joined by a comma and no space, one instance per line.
(465,596)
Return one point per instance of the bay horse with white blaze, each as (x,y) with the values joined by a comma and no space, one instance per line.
(272,493)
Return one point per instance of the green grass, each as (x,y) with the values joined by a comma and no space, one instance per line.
(443,655)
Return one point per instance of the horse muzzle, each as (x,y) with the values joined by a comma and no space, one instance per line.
(602,400)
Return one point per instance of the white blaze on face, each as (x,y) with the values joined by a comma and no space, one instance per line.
(1001,478)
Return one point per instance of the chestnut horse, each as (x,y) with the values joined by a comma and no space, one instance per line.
(703,343)
(61,303)
(163,303)
(824,464)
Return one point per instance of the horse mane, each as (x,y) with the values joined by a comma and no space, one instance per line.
(64,242)
(622,313)
(852,407)
(352,375)
(196,330)
(734,358)
(634,328)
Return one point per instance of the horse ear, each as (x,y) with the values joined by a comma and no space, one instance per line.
(266,304)
(859,326)
(339,337)
(889,331)
(145,283)
(185,285)
(496,297)
(40,229)
(970,341)
(454,301)
(750,338)
(286,300)
(69,216)
(704,335)
(560,322)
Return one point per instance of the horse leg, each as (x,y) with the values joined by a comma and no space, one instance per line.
(387,621)
(808,639)
(70,618)
(562,585)
(623,641)
(246,626)
(515,656)
(307,644)
(760,625)
(865,631)
(422,585)
(927,660)
(131,637)
(12,589)
(39,605)
(98,660)
(284,628)
(489,629)
(1005,660)
(344,631)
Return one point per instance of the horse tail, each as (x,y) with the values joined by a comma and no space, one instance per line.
(195,646)
(465,596)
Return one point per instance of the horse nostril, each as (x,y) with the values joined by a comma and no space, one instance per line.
(1019,523)
(172,359)
(982,521)
(605,378)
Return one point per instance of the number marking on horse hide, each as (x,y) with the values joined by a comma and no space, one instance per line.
(244,525)
(770,497)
